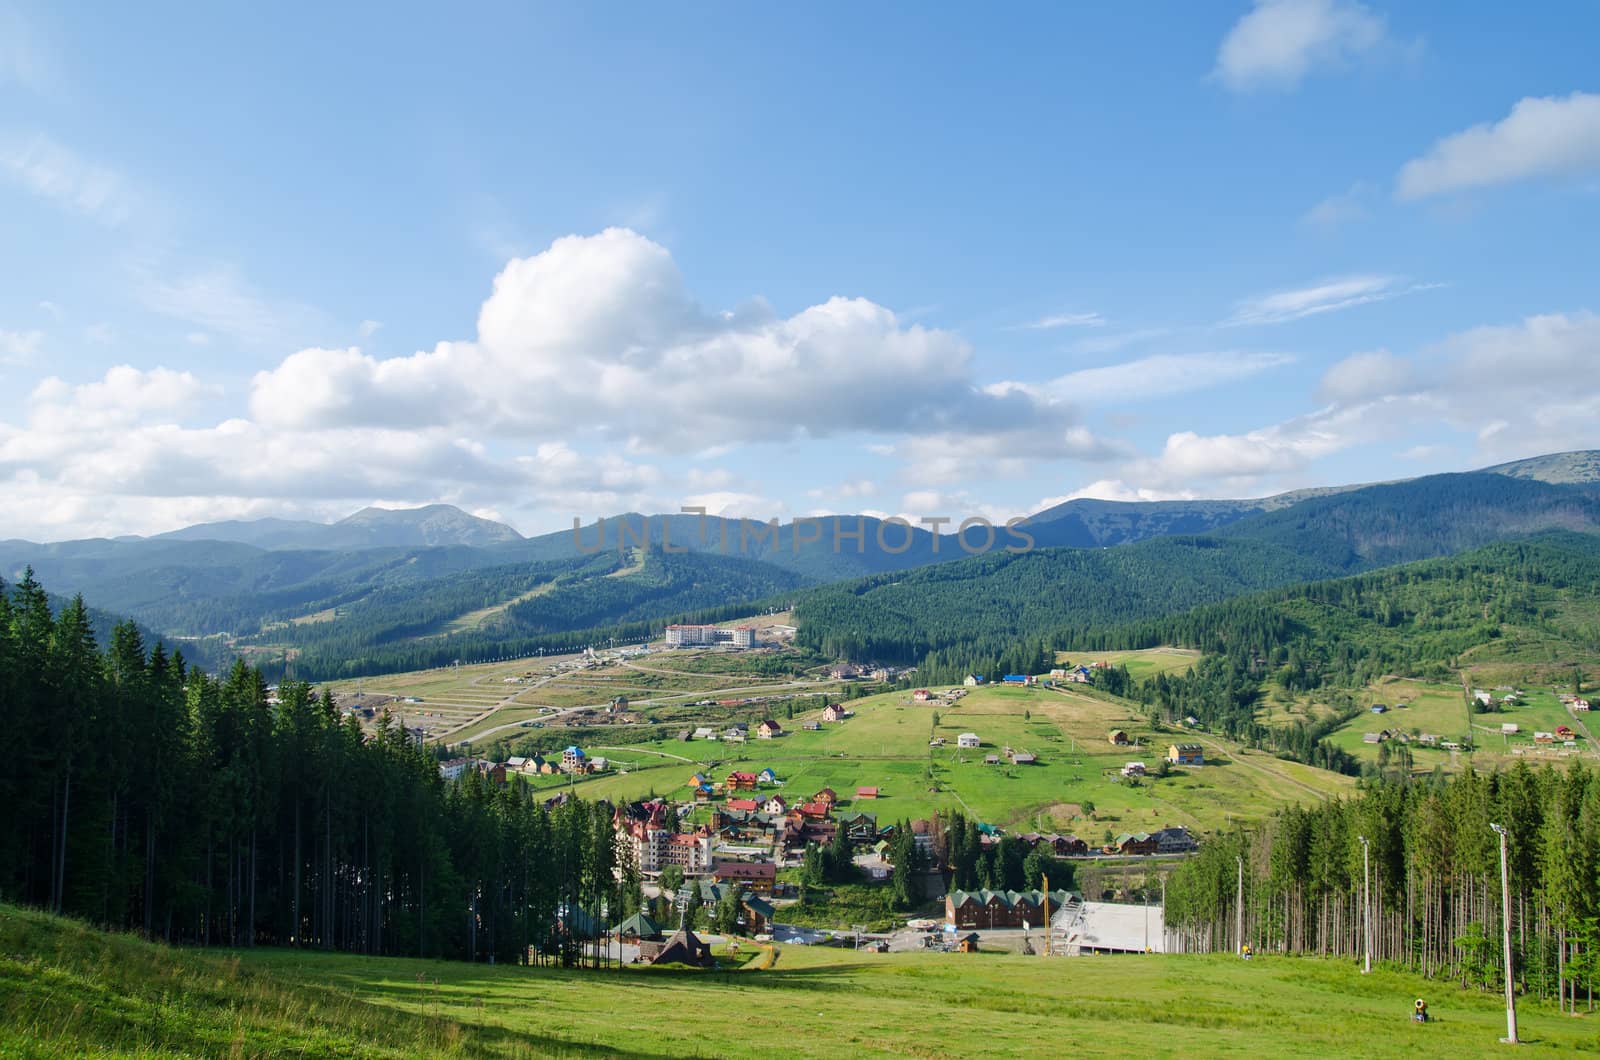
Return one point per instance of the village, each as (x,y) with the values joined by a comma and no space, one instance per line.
(738,837)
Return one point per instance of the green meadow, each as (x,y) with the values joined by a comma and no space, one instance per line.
(1074,785)
(69,991)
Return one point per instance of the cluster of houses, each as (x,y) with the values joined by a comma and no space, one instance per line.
(1003,909)
(738,732)
(870,672)
(764,829)
(1178,754)
(573,761)
(1426,739)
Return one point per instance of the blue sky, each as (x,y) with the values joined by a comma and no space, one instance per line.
(553,261)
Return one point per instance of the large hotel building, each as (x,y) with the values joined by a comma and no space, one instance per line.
(693,636)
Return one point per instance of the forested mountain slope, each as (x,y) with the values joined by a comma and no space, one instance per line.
(961,615)
(986,606)
(1377,526)
(559,607)
(1412,620)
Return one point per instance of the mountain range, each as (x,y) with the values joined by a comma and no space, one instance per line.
(398,588)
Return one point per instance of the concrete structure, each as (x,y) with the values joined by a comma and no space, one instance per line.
(968,740)
(1109,927)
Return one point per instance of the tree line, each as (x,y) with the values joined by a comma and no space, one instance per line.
(1431,880)
(141,793)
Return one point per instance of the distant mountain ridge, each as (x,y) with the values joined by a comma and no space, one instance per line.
(1577,467)
(430,526)
(388,578)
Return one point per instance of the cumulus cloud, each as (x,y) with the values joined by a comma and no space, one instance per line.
(1366,375)
(1280,41)
(1540,367)
(1280,307)
(1542,136)
(589,360)
(599,335)
(948,457)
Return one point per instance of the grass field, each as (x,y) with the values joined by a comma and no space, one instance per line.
(66,990)
(466,702)
(886,746)
(1413,706)
(1142,665)
(1440,708)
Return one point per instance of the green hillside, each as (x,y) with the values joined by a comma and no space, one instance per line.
(981,612)
(1528,610)
(68,991)
(518,610)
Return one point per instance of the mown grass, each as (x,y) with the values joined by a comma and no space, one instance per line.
(70,991)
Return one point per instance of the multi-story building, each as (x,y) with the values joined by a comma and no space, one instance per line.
(682,636)
(646,830)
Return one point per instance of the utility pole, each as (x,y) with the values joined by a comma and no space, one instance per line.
(1238,910)
(1505,926)
(1046,881)
(1366,906)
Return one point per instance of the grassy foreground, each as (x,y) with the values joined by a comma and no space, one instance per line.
(66,990)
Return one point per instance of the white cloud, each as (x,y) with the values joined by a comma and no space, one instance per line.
(18,347)
(1189,457)
(219,300)
(369,328)
(1280,41)
(1542,136)
(1338,210)
(1162,375)
(1366,375)
(1067,320)
(733,504)
(1103,344)
(599,335)
(198,338)
(1346,292)
(1115,489)
(51,171)
(24,58)
(1514,390)
(945,458)
(587,358)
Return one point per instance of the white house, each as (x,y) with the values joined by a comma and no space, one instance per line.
(1133,769)
(968,740)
